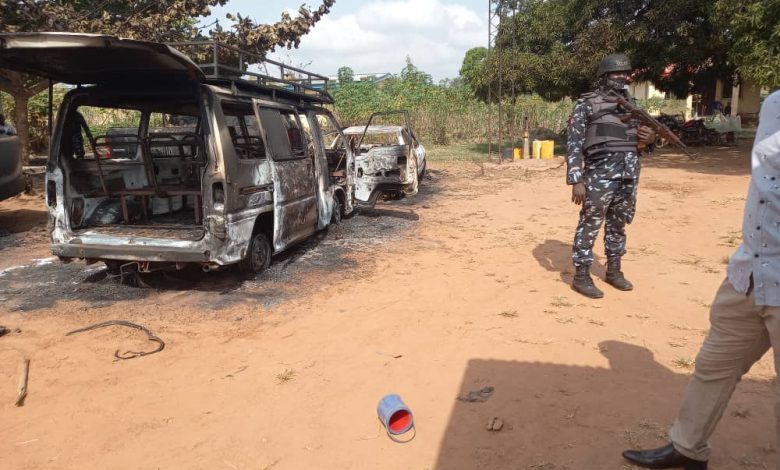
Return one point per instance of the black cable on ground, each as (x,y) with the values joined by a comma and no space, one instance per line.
(127,354)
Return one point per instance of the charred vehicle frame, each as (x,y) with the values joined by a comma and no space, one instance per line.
(226,161)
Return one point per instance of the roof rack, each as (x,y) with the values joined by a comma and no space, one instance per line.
(221,62)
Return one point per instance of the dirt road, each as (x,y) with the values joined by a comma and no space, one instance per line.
(463,287)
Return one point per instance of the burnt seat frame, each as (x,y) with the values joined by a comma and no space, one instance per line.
(148,144)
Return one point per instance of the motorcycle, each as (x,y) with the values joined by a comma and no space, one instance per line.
(695,132)
(674,123)
(691,132)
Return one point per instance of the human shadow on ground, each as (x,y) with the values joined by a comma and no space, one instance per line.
(559,416)
(555,256)
(708,160)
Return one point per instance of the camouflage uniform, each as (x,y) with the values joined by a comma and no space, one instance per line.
(610,179)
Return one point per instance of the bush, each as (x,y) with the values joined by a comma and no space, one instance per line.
(444,114)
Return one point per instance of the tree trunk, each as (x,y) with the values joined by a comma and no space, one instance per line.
(22,88)
(21,101)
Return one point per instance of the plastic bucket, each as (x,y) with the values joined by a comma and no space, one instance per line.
(536,145)
(548,148)
(518,153)
(395,415)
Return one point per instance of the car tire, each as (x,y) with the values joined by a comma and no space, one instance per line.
(258,255)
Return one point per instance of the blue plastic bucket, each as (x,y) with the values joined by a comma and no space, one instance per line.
(394,414)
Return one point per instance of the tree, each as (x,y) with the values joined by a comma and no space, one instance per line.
(456,83)
(472,71)
(553,47)
(535,52)
(413,76)
(262,38)
(755,28)
(150,20)
(345,75)
(678,45)
(411,87)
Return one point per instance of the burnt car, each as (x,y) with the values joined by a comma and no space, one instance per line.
(11,177)
(389,160)
(158,162)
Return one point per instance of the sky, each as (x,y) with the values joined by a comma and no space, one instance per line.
(376,36)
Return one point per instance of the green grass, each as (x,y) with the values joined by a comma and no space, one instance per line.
(471,152)
(453,153)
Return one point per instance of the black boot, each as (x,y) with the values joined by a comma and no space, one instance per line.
(583,283)
(663,457)
(615,275)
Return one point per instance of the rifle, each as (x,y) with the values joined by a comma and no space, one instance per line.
(642,116)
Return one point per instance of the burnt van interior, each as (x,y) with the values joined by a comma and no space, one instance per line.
(335,151)
(134,164)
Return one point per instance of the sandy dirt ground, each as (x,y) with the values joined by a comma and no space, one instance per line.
(463,287)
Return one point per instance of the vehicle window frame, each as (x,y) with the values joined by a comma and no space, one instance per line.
(304,149)
(273,123)
(241,121)
(340,136)
(92,141)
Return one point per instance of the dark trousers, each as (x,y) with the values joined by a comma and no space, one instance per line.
(612,202)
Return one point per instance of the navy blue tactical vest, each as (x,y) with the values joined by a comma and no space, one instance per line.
(606,132)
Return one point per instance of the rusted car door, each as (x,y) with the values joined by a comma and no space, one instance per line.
(294,178)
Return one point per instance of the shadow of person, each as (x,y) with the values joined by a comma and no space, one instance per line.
(555,256)
(709,160)
(560,416)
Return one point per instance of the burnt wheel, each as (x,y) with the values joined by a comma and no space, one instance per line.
(258,255)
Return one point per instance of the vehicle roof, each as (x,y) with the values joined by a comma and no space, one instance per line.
(95,59)
(77,58)
(378,129)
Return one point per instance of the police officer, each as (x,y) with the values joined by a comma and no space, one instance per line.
(602,158)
